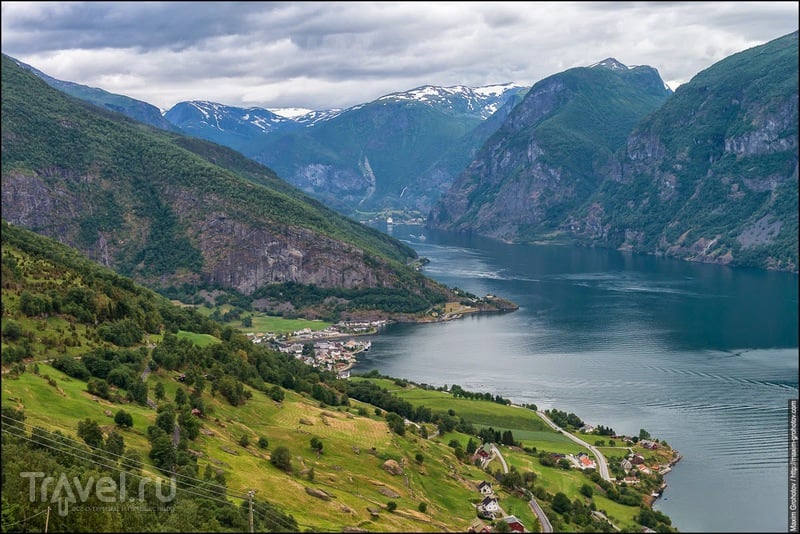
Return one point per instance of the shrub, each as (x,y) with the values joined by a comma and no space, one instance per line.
(123,419)
(281,458)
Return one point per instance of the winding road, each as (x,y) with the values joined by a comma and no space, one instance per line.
(601,460)
(543,521)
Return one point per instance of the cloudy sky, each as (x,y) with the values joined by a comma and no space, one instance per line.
(323,55)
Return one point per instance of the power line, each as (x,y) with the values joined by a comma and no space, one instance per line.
(276,518)
(24,520)
(275,515)
(82,449)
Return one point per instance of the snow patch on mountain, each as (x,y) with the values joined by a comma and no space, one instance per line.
(483,101)
(291,113)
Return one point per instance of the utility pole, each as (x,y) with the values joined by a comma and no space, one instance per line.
(250,494)
(47,519)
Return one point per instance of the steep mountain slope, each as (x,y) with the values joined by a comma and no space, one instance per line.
(382,154)
(135,109)
(713,175)
(548,156)
(170,210)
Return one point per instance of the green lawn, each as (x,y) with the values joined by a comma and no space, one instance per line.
(200,340)
(478,412)
(263,323)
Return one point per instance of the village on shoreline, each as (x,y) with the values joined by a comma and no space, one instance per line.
(334,348)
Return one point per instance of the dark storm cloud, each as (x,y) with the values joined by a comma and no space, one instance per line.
(46,26)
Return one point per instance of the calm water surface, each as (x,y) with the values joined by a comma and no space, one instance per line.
(703,356)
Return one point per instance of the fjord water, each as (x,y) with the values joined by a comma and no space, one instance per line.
(702,356)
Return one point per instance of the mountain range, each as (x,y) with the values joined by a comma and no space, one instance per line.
(174,211)
(604,155)
(398,152)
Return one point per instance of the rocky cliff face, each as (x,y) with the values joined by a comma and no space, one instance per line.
(239,253)
(545,159)
(246,256)
(713,175)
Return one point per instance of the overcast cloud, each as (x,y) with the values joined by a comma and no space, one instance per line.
(323,55)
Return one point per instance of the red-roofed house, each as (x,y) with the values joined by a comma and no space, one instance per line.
(514,524)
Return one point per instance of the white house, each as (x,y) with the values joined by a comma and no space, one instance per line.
(488,507)
(485,488)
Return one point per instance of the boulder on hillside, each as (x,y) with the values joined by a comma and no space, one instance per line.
(392,467)
(318,493)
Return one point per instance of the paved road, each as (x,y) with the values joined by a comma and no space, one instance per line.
(601,460)
(543,521)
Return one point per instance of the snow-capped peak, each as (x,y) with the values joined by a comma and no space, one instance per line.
(483,100)
(610,63)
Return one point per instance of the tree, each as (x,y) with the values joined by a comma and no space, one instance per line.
(587,490)
(561,503)
(244,441)
(132,461)
(281,458)
(276,393)
(123,419)
(263,443)
(419,457)
(159,391)
(180,397)
(501,526)
(423,507)
(166,420)
(89,431)
(643,434)
(391,506)
(316,444)
(472,446)
(162,452)
(189,424)
(115,444)
(137,391)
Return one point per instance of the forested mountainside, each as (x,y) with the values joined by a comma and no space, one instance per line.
(135,109)
(174,211)
(711,175)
